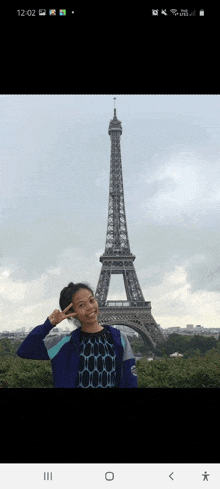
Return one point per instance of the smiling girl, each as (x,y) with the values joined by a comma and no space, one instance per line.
(92,355)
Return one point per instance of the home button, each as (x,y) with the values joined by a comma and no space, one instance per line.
(109,476)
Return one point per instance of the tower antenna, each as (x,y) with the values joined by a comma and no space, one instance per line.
(114,107)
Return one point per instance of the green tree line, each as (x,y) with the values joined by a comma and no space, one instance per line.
(20,372)
(193,372)
(198,368)
(188,346)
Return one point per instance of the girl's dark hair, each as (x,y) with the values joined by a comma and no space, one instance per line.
(67,293)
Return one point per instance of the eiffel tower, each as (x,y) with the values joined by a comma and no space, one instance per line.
(135,312)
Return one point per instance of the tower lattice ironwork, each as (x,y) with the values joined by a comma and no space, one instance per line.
(135,312)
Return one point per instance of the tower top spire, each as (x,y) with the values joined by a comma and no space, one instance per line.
(115,124)
(114,108)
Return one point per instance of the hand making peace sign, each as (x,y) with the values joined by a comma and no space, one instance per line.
(57,316)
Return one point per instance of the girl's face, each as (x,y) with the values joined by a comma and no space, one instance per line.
(86,307)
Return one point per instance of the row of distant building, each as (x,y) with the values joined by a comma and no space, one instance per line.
(190,329)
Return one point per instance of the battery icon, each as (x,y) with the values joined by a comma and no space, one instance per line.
(202,12)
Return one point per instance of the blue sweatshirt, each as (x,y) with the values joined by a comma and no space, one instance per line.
(65,353)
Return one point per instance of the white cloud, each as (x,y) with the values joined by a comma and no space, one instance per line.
(18,291)
(29,302)
(185,185)
(55,271)
(6,273)
(174,304)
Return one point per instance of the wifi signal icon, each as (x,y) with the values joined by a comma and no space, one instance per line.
(173,10)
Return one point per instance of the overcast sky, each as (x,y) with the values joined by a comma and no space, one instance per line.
(55,162)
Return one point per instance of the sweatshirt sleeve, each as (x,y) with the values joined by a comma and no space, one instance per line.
(129,367)
(33,346)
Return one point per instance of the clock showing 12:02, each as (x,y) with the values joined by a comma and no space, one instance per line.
(29,13)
